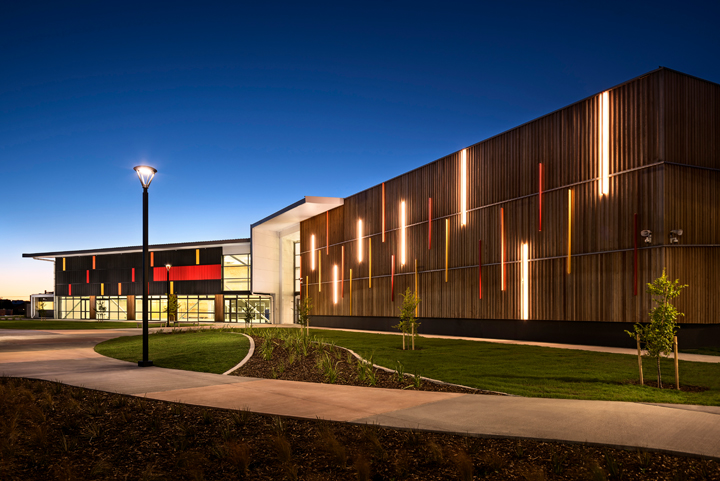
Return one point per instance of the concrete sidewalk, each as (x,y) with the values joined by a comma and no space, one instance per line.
(58,356)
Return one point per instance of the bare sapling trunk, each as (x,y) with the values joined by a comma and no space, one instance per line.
(658,373)
(677,369)
(639,359)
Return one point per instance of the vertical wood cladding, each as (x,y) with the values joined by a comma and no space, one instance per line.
(114,269)
(650,117)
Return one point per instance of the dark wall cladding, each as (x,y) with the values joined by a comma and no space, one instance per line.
(111,269)
(653,120)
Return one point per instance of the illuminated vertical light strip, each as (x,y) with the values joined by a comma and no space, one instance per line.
(360,242)
(525,283)
(570,202)
(369,262)
(351,292)
(479,269)
(383,211)
(172,287)
(63,263)
(635,257)
(93,262)
(69,289)
(463,187)
(402,233)
(327,232)
(392,278)
(120,289)
(133,274)
(312,252)
(87,277)
(342,272)
(319,270)
(429,222)
(197,256)
(604,143)
(335,284)
(447,247)
(152,259)
(307,285)
(102,288)
(540,198)
(502,248)
(416,289)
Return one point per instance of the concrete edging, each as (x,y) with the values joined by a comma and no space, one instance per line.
(251,351)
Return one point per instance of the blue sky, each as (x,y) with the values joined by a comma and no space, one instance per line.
(246,107)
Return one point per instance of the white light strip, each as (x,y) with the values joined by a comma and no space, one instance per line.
(463,187)
(605,144)
(335,284)
(360,243)
(312,252)
(402,233)
(525,283)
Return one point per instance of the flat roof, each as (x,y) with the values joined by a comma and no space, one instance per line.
(153,247)
(299,211)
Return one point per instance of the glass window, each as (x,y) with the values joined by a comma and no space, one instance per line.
(236,272)
(259,306)
(297,260)
(111,307)
(73,307)
(190,308)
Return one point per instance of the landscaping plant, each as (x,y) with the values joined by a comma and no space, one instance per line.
(658,334)
(304,307)
(408,322)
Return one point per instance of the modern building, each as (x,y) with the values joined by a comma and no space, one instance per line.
(549,231)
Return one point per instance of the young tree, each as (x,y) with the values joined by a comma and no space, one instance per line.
(172,308)
(41,308)
(408,323)
(100,310)
(248,313)
(303,308)
(658,334)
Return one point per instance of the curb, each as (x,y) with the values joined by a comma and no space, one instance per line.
(251,351)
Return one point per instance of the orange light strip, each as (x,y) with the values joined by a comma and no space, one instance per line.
(383,211)
(319,271)
(502,247)
(360,241)
(327,232)
(369,262)
(479,269)
(119,288)
(342,271)
(429,223)
(93,262)
(392,278)
(402,233)
(63,263)
(463,187)
(417,307)
(525,283)
(447,247)
(351,292)
(570,206)
(152,259)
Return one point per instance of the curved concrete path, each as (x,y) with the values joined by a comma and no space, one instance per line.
(68,357)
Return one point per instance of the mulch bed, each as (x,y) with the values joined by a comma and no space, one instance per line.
(50,431)
(667,385)
(290,365)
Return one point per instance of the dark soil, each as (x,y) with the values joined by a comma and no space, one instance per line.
(666,385)
(51,431)
(288,363)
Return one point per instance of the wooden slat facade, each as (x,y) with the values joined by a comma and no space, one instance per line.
(664,167)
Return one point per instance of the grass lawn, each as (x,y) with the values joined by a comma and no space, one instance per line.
(533,371)
(52,325)
(195,350)
(707,351)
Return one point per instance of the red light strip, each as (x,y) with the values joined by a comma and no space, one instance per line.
(87,277)
(69,289)
(383,211)
(133,274)
(479,269)
(188,273)
(392,278)
(540,199)
(635,258)
(429,222)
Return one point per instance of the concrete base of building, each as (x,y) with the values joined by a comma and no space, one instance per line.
(611,334)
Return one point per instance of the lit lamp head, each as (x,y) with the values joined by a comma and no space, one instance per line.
(146,174)
(167,266)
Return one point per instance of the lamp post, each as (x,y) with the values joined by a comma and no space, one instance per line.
(168,267)
(146,174)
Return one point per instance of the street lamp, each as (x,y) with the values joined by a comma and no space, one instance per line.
(168,267)
(146,174)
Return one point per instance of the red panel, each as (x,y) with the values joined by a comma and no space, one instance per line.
(188,273)
(69,289)
(479,269)
(540,200)
(429,222)
(133,278)
(635,258)
(87,277)
(392,278)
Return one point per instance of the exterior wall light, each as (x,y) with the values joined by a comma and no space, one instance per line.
(604,135)
(525,283)
(360,242)
(312,252)
(402,233)
(675,236)
(335,284)
(463,186)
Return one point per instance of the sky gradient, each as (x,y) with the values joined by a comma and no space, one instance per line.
(246,108)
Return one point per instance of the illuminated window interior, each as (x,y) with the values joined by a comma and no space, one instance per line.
(236,272)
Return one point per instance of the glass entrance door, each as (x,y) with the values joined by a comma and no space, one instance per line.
(232,313)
